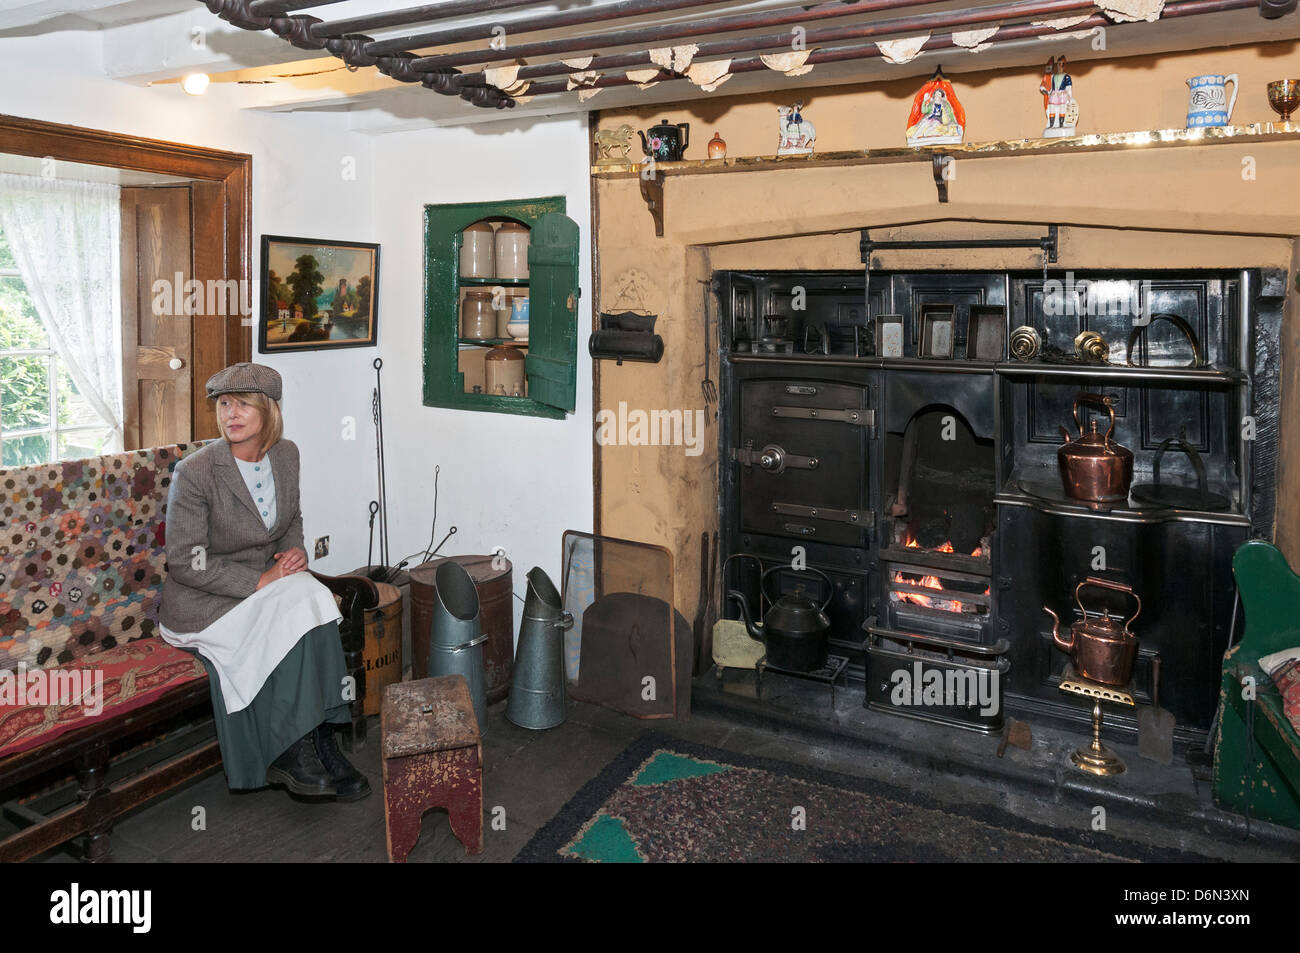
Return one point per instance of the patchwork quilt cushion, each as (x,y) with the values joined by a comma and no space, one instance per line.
(81,554)
(36,706)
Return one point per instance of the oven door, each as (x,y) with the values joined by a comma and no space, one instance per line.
(802,460)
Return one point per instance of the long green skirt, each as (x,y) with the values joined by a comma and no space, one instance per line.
(305,689)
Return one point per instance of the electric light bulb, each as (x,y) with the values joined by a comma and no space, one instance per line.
(196,84)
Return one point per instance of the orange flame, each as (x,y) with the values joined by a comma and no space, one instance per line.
(910,542)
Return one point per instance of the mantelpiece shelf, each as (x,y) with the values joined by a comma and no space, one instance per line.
(1098,142)
(1190,375)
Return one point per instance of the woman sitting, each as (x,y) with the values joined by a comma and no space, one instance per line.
(237,593)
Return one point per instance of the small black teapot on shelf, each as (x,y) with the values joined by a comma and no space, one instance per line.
(667,142)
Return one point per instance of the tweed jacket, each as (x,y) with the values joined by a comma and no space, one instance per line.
(217,545)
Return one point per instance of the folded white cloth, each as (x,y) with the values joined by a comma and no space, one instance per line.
(1271,663)
(248,642)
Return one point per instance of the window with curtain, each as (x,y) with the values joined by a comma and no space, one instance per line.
(60,320)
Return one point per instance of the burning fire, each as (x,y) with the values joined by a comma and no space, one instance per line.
(942,599)
(930,602)
(926,582)
(945,547)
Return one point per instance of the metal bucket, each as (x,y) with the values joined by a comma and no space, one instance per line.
(538,698)
(455,641)
(493,576)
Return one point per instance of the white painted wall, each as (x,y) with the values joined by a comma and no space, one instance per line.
(516,482)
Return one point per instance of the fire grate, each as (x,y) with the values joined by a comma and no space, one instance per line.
(943,591)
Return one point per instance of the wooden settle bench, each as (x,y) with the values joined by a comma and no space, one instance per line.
(82,564)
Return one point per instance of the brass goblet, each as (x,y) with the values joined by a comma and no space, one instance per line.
(1284,97)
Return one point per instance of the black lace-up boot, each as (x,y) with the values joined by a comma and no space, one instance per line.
(301,770)
(349,783)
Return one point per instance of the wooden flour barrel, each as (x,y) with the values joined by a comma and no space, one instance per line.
(383,649)
(496,617)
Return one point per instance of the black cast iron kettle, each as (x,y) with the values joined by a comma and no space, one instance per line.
(796,630)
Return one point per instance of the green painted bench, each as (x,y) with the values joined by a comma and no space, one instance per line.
(1257,772)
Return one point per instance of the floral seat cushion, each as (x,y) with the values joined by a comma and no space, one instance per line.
(55,700)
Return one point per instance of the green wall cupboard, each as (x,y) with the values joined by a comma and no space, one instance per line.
(552,286)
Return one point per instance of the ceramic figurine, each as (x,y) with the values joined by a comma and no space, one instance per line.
(614,146)
(796,134)
(717,147)
(1058,99)
(937,117)
(1207,103)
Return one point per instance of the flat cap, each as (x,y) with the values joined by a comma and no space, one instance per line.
(245,378)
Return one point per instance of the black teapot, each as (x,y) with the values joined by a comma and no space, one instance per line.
(666,142)
(796,630)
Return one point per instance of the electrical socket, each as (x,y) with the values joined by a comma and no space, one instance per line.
(322,547)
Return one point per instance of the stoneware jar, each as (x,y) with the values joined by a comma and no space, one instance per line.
(512,252)
(504,370)
(717,147)
(478,251)
(477,319)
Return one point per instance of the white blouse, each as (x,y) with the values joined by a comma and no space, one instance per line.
(261,486)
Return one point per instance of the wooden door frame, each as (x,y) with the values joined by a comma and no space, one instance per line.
(221,223)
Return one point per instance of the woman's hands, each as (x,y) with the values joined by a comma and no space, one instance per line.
(286,564)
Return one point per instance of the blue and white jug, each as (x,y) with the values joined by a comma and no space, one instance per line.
(1208,104)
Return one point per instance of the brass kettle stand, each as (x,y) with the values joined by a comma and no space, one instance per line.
(1096,758)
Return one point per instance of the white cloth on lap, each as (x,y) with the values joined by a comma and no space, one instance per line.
(248,642)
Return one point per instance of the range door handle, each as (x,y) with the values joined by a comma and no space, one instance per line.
(774,459)
(853,416)
(852,517)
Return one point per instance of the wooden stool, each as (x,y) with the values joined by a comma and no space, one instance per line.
(432,758)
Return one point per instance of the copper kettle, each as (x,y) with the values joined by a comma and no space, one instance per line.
(1102,650)
(1095,468)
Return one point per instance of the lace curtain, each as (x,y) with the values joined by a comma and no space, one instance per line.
(65,238)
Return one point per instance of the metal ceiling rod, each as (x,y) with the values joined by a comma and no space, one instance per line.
(640,59)
(1006,34)
(583,16)
(275,8)
(422,14)
(658,34)
(295,30)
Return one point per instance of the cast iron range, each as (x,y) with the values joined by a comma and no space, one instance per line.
(903,482)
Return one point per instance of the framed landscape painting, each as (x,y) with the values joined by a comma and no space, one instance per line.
(318,294)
